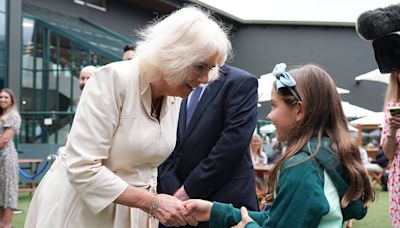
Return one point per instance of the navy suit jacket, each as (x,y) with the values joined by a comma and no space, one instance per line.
(211,157)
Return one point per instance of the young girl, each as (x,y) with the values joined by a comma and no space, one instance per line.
(319,181)
(10,122)
(391,146)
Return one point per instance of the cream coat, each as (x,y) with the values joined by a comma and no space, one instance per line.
(114,142)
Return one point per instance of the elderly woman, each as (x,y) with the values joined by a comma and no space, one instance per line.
(125,126)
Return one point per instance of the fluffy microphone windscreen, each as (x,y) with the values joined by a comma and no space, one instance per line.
(373,24)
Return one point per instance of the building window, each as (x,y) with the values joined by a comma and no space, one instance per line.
(96,4)
(51,63)
(55,48)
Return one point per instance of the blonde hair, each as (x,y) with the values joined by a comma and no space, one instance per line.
(323,116)
(187,36)
(261,148)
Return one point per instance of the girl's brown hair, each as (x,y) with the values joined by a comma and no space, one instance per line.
(323,116)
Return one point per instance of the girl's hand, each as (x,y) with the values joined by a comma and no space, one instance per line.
(245,218)
(198,209)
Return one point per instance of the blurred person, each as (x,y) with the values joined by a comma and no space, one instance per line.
(267,145)
(382,26)
(85,74)
(129,52)
(94,60)
(380,159)
(277,150)
(391,146)
(258,156)
(125,126)
(370,167)
(211,159)
(319,181)
(10,122)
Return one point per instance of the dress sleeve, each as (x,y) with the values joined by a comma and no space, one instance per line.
(13,121)
(90,139)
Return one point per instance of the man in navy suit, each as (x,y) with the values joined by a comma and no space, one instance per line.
(211,159)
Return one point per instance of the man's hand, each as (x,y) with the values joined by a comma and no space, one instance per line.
(245,218)
(181,194)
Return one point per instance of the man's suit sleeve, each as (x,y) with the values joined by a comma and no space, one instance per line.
(240,119)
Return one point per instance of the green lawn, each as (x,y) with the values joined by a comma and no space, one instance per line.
(23,203)
(377,215)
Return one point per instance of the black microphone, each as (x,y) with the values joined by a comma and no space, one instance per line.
(382,25)
(376,23)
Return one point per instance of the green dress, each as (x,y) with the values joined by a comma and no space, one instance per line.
(308,195)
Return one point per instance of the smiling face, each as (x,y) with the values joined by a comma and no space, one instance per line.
(5,100)
(283,116)
(198,73)
(85,74)
(255,143)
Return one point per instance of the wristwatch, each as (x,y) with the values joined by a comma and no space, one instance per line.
(390,137)
(153,206)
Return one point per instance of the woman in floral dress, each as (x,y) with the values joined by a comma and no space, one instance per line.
(390,143)
(10,122)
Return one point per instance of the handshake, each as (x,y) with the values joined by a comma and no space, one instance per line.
(171,211)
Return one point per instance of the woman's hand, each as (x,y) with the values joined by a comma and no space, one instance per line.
(245,218)
(394,123)
(170,211)
(199,209)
